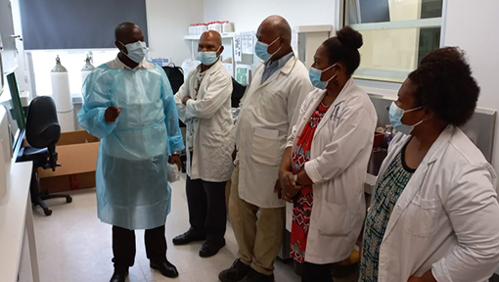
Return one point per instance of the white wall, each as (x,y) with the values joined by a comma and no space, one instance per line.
(473,27)
(470,25)
(168,22)
(247,15)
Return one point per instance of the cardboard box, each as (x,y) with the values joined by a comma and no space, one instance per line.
(78,152)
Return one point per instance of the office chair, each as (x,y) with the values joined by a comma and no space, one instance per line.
(42,133)
(238,91)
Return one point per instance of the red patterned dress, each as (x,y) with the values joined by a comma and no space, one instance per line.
(302,202)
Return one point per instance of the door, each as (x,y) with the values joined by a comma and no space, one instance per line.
(8,50)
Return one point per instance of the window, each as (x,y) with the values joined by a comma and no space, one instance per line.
(397,35)
(72,60)
(89,24)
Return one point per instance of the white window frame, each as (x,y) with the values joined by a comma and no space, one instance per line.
(380,87)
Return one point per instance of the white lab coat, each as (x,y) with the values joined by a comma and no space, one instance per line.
(268,112)
(341,148)
(213,138)
(447,217)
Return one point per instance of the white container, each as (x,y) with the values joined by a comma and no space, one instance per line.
(215,26)
(192,29)
(228,27)
(202,28)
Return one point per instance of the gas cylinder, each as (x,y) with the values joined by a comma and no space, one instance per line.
(62,96)
(87,68)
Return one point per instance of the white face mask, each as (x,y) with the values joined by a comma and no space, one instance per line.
(316,74)
(396,114)
(262,50)
(208,58)
(137,51)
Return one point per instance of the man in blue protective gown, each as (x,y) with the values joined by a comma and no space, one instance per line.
(129,104)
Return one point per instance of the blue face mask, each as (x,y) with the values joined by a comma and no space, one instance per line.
(261,50)
(208,58)
(136,51)
(315,77)
(396,114)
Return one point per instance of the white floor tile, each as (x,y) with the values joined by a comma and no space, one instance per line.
(73,245)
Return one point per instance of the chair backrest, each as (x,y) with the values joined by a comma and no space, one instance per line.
(175,76)
(237,93)
(42,127)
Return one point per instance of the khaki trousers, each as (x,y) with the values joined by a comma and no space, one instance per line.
(259,237)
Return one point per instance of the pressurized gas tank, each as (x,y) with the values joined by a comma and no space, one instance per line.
(62,96)
(87,69)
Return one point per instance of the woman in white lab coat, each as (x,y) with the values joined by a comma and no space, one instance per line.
(324,165)
(434,213)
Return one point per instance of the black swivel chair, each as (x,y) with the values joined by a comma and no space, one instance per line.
(42,133)
(237,93)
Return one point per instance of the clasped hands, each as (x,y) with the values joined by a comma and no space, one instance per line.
(286,186)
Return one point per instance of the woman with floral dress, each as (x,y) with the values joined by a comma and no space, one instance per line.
(324,165)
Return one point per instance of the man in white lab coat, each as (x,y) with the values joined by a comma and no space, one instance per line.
(204,104)
(269,109)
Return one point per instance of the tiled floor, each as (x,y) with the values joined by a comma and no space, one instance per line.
(74,246)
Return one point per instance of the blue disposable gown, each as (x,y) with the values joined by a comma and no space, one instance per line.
(132,186)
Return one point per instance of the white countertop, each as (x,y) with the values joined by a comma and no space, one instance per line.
(12,220)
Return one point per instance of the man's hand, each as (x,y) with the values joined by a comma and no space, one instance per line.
(111,114)
(175,159)
(288,184)
(289,194)
(184,101)
(287,180)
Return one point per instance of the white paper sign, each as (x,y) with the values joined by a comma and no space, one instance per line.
(247,42)
(238,47)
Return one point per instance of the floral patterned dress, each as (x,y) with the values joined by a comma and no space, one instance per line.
(302,202)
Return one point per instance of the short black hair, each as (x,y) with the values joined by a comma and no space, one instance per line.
(122,29)
(344,48)
(444,84)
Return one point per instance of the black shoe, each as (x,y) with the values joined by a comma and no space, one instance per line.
(119,276)
(254,276)
(235,273)
(186,238)
(211,248)
(166,268)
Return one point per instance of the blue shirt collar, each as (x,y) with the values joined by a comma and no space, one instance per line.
(272,66)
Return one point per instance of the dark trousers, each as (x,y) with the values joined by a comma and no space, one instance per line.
(124,246)
(207,209)
(316,272)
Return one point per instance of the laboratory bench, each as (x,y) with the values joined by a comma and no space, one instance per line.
(16,221)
